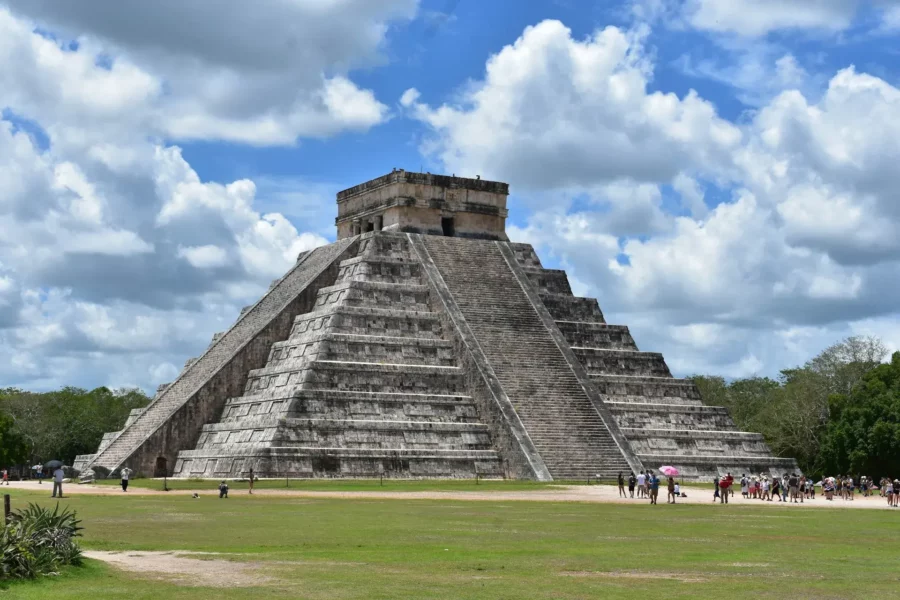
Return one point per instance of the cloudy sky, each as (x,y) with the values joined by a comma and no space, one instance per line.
(721,174)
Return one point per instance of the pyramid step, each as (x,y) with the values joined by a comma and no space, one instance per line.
(404,296)
(368,321)
(381,269)
(565,307)
(333,433)
(549,281)
(341,462)
(341,404)
(369,377)
(646,390)
(600,361)
(525,255)
(675,416)
(580,334)
(328,345)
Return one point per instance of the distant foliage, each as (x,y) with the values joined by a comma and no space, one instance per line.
(863,432)
(39,541)
(64,423)
(13,447)
(794,412)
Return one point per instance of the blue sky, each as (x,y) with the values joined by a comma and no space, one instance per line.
(719,174)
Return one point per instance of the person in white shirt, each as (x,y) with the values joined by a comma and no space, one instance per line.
(57,481)
(126,473)
(641,488)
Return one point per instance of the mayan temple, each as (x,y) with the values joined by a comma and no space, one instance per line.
(423,343)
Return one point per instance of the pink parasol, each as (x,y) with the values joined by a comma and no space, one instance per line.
(669,471)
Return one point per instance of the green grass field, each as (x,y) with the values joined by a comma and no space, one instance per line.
(344,549)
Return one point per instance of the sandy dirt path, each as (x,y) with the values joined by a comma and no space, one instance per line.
(579,493)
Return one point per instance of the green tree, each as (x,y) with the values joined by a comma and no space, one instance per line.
(841,366)
(793,412)
(13,448)
(64,423)
(863,433)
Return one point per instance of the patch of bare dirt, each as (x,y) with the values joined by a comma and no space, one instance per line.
(680,577)
(181,568)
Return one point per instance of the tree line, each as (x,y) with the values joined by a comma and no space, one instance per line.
(58,425)
(837,414)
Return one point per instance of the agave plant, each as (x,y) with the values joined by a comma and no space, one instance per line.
(38,541)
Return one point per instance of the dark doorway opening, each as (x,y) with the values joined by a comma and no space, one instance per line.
(370,226)
(447,226)
(160,470)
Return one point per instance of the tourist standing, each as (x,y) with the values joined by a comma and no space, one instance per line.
(724,484)
(126,474)
(40,474)
(58,476)
(776,489)
(671,490)
(251,480)
(631,482)
(715,487)
(793,483)
(223,489)
(745,486)
(654,488)
(621,485)
(5,477)
(641,479)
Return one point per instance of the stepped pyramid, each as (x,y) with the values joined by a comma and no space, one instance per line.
(423,343)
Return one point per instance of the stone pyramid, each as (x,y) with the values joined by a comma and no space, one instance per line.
(424,344)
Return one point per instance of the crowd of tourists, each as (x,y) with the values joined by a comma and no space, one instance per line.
(647,486)
(789,488)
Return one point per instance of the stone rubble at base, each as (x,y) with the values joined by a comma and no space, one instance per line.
(406,353)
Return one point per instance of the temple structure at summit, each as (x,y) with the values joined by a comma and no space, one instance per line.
(423,343)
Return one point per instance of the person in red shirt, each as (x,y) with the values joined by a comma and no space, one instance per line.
(724,485)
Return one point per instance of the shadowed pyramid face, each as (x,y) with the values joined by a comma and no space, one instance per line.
(424,203)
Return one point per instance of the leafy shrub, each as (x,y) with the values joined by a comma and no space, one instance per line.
(39,541)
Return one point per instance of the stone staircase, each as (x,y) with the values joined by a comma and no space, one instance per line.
(366,384)
(663,418)
(561,421)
